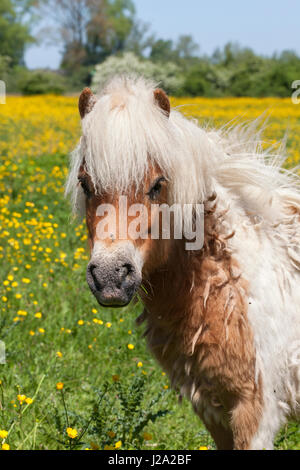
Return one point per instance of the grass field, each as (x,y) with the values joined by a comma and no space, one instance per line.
(78,376)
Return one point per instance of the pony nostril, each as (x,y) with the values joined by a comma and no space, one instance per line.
(124,270)
(91,270)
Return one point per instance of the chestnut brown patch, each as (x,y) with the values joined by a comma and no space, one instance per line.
(198,330)
(86,102)
(162,100)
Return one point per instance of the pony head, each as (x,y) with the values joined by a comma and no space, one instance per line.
(134,157)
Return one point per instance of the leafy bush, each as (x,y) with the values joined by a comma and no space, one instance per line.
(119,415)
(79,78)
(205,80)
(168,75)
(41,82)
(237,71)
(4,65)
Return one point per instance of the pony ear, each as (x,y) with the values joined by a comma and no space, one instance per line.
(86,102)
(162,100)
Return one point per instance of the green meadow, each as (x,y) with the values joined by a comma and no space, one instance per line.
(77,376)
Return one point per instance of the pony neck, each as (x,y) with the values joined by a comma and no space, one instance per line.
(170,288)
(187,279)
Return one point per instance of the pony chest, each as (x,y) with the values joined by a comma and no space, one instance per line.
(190,376)
(207,350)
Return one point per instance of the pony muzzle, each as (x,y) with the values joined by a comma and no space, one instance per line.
(113,283)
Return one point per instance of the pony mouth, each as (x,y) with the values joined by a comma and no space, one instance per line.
(113,302)
(113,299)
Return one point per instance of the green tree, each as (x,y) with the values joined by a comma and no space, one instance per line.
(110,25)
(163,50)
(90,30)
(183,51)
(186,47)
(15,25)
(140,39)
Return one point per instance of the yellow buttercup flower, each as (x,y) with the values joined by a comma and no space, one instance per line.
(59,385)
(72,433)
(21,398)
(22,313)
(3,434)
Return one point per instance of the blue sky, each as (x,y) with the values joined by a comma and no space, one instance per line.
(264,25)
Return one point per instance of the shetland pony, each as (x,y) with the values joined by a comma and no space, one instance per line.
(224,320)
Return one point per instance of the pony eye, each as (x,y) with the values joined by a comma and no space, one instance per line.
(85,185)
(154,192)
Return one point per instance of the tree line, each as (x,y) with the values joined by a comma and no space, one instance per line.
(97,37)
